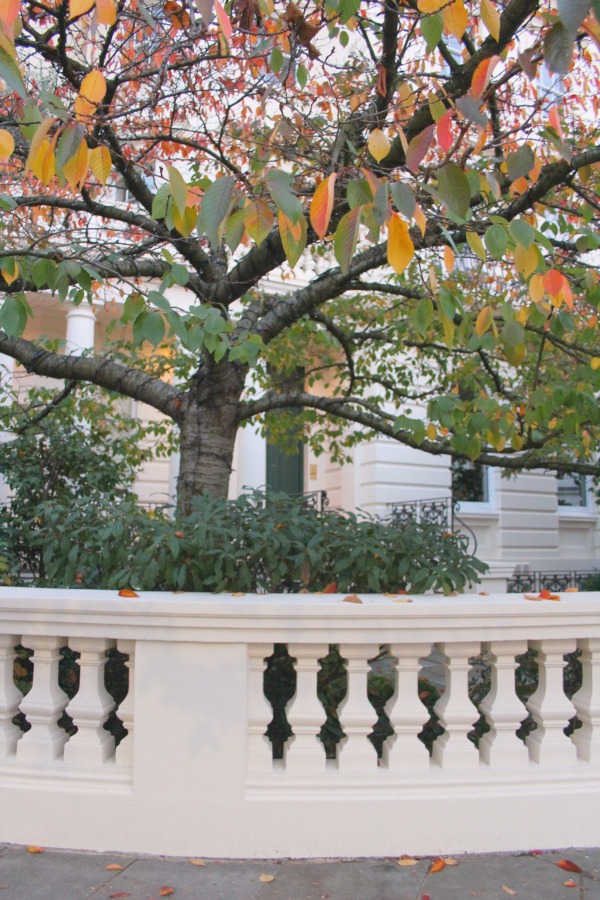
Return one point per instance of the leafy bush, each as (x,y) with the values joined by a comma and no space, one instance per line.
(255,543)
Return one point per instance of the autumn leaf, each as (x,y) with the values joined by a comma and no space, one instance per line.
(91,93)
(35,850)
(101,163)
(570,884)
(127,592)
(197,862)
(79,7)
(352,598)
(407,861)
(508,891)
(418,147)
(114,867)
(106,12)
(346,235)
(7,144)
(456,19)
(330,588)
(321,205)
(266,878)
(437,865)
(568,866)
(119,894)
(400,248)
(166,891)
(490,18)
(484,320)
(378,144)
(482,75)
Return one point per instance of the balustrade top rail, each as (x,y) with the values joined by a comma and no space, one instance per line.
(214,618)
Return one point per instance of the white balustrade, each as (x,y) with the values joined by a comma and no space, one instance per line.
(45,702)
(91,705)
(587,702)
(454,709)
(549,706)
(357,716)
(126,710)
(305,752)
(403,751)
(260,753)
(502,709)
(10,696)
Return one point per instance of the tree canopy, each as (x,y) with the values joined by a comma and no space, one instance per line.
(433,165)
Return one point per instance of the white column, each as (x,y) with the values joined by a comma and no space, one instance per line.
(81,321)
(45,702)
(502,708)
(260,751)
(587,703)
(456,713)
(305,713)
(10,696)
(357,716)
(91,705)
(550,707)
(403,751)
(125,712)
(250,459)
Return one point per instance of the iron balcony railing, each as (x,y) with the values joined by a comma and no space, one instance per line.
(439,511)
(535,581)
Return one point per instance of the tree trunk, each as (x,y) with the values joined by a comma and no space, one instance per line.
(207,434)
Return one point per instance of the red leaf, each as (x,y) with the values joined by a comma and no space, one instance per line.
(568,866)
(553,281)
(444,131)
(330,588)
(418,147)
(570,884)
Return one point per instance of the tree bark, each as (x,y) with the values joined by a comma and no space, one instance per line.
(207,434)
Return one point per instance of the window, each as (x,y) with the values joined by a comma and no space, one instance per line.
(470,483)
(571,490)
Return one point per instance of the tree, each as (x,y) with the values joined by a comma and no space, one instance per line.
(438,159)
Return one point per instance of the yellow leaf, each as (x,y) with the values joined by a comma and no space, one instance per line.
(101,163)
(91,93)
(526,259)
(420,219)
(378,144)
(35,850)
(595,362)
(9,277)
(37,142)
(490,18)
(476,245)
(76,168)
(400,248)
(430,6)
(431,431)
(407,861)
(165,891)
(321,205)
(456,19)
(266,878)
(197,862)
(536,288)
(448,259)
(106,12)
(484,320)
(7,144)
(43,165)
(79,7)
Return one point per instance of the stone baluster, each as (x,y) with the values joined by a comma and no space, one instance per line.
(91,705)
(10,696)
(587,703)
(126,710)
(454,708)
(503,710)
(357,716)
(305,751)
(44,704)
(403,751)
(549,706)
(260,751)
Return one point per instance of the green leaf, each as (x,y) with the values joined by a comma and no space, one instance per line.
(284,198)
(161,202)
(134,305)
(520,163)
(454,189)
(293,238)
(10,73)
(572,13)
(180,274)
(68,144)
(346,235)
(302,75)
(215,207)
(149,326)
(347,9)
(44,273)
(235,229)
(404,199)
(276,60)
(432,28)
(358,192)
(13,315)
(522,232)
(558,49)
(513,339)
(423,316)
(178,189)
(496,241)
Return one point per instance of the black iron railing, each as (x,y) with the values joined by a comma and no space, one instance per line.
(439,511)
(534,581)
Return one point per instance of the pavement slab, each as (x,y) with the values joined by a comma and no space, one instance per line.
(75,875)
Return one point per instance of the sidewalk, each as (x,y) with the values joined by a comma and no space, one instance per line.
(68,875)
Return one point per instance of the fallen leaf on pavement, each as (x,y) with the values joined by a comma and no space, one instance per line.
(35,850)
(568,866)
(266,878)
(508,890)
(570,884)
(197,862)
(352,598)
(437,865)
(407,861)
(114,867)
(121,894)
(166,891)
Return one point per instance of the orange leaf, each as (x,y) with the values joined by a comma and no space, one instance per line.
(352,598)
(456,19)
(553,281)
(321,205)
(484,320)
(330,588)
(106,12)
(114,867)
(120,894)
(127,592)
(400,248)
(76,168)
(238,593)
(35,850)
(79,7)
(197,862)
(568,866)
(9,12)
(437,865)
(166,891)
(225,27)
(91,94)
(570,884)
(448,258)
(482,75)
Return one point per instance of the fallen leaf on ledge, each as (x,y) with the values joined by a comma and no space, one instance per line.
(35,850)
(266,878)
(407,861)
(572,590)
(403,600)
(484,593)
(437,865)
(352,598)
(449,861)
(127,592)
(238,593)
(543,595)
(114,867)
(197,862)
